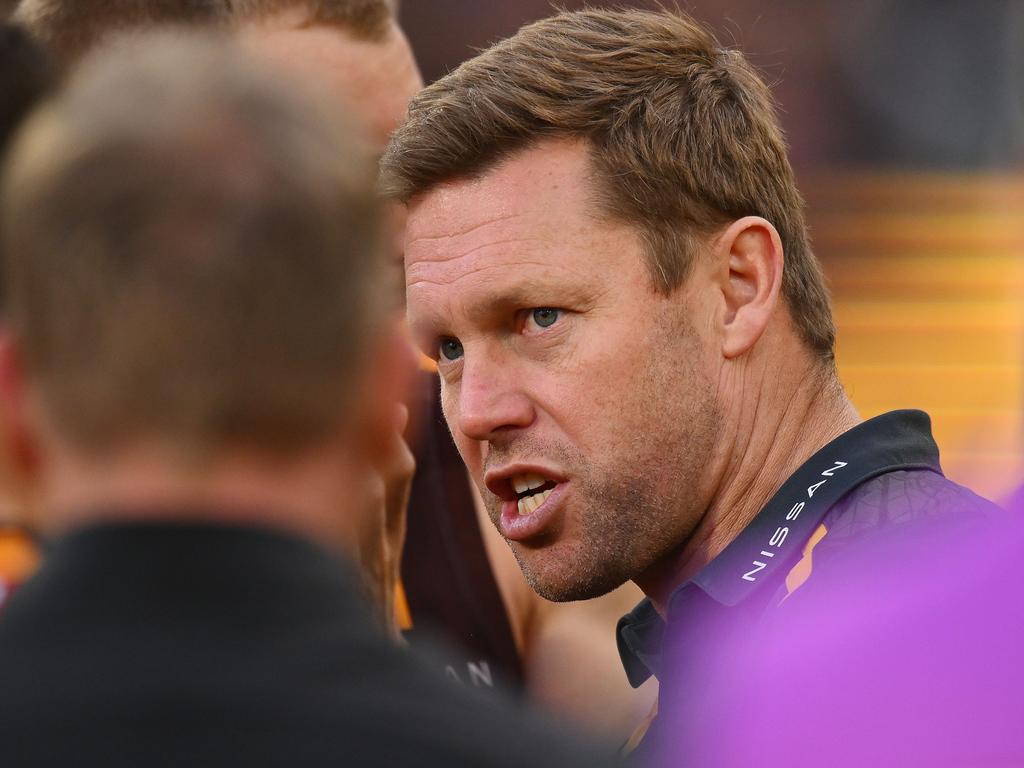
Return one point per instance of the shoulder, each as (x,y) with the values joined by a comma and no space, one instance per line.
(892,525)
(904,501)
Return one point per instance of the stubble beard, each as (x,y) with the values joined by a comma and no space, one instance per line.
(641,509)
(624,519)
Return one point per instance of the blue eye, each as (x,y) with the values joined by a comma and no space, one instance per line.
(451,349)
(545,317)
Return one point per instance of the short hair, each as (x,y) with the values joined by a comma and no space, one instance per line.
(366,19)
(71,28)
(193,253)
(683,135)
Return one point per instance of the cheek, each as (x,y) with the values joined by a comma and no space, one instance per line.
(470,450)
(600,400)
(644,383)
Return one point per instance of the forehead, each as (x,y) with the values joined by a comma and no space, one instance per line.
(528,223)
(376,77)
(541,194)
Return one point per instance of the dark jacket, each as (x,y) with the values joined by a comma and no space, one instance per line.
(151,645)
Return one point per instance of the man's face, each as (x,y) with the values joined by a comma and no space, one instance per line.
(580,398)
(377,78)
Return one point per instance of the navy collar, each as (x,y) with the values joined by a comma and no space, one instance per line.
(769,546)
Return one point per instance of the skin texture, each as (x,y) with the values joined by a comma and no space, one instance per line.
(571,659)
(378,78)
(641,405)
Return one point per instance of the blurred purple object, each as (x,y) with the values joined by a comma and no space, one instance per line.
(916,658)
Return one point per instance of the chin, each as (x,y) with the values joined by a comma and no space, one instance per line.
(562,580)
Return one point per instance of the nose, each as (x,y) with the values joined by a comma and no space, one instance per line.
(491,401)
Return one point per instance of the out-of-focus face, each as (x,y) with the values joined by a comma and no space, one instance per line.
(580,398)
(376,79)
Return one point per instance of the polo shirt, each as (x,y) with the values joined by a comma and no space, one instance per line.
(880,481)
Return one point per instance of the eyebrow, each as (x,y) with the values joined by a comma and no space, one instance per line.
(523,293)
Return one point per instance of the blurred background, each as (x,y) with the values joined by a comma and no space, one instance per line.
(906,125)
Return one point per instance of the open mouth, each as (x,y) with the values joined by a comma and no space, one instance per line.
(532,490)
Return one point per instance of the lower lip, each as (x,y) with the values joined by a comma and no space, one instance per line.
(516,527)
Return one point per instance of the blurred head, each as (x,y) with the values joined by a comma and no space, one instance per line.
(193,257)
(352,47)
(354,50)
(605,238)
(72,28)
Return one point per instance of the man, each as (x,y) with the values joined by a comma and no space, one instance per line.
(458,576)
(202,440)
(606,254)
(70,30)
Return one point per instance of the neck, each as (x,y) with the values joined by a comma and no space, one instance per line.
(308,497)
(767,440)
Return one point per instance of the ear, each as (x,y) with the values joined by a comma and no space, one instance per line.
(751,256)
(380,414)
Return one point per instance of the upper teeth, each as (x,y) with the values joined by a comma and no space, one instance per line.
(527,482)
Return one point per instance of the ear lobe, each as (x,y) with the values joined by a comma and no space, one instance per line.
(751,287)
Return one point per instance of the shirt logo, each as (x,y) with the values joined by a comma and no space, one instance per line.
(479,674)
(779,537)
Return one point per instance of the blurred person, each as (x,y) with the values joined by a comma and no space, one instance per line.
(607,257)
(25,76)
(202,441)
(457,575)
(70,30)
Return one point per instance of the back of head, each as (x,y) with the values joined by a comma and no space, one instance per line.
(683,136)
(192,254)
(72,28)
